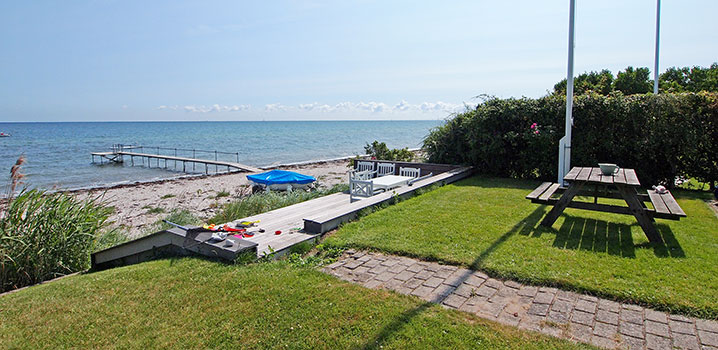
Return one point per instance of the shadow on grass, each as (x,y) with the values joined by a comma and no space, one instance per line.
(601,236)
(595,235)
(523,227)
(575,233)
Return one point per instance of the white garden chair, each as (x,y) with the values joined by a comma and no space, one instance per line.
(361,166)
(411,172)
(385,169)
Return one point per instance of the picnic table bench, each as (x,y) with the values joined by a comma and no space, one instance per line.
(590,182)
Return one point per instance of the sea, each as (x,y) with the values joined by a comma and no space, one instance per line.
(58,155)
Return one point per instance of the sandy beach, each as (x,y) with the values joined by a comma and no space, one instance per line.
(136,205)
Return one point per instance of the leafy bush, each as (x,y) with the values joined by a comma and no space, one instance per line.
(638,81)
(661,136)
(46,235)
(379,150)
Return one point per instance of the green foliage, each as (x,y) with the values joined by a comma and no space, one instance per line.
(221,194)
(46,235)
(687,79)
(266,201)
(598,82)
(153,210)
(379,150)
(182,217)
(637,81)
(633,81)
(661,136)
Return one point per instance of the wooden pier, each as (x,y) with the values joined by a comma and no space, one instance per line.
(118,152)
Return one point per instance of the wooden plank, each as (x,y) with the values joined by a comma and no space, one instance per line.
(537,192)
(595,175)
(642,215)
(329,220)
(551,190)
(672,204)
(606,179)
(584,174)
(658,203)
(572,174)
(562,203)
(620,177)
(631,178)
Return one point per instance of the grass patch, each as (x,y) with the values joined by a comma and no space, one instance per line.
(153,210)
(221,194)
(190,303)
(486,223)
(178,216)
(169,195)
(266,201)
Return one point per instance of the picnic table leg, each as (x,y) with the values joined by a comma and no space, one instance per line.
(562,204)
(635,205)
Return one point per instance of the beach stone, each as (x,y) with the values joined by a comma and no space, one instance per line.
(708,338)
(538,309)
(655,342)
(682,327)
(528,291)
(580,317)
(454,301)
(685,341)
(657,328)
(433,282)
(631,329)
(605,330)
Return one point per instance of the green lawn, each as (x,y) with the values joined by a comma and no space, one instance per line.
(487,224)
(198,304)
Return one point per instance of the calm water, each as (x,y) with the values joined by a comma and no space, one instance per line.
(58,154)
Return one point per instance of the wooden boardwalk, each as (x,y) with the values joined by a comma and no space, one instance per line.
(116,156)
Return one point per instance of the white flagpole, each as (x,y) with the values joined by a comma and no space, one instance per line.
(658,30)
(564,148)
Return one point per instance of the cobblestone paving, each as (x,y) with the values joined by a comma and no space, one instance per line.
(558,313)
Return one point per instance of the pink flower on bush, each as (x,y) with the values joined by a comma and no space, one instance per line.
(536,132)
(534,126)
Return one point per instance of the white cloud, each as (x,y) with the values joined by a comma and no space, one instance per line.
(275,107)
(373,107)
(402,106)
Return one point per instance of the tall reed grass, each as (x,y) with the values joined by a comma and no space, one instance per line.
(45,235)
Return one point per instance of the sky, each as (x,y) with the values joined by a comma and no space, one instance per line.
(104,60)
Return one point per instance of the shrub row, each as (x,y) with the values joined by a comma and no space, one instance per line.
(661,136)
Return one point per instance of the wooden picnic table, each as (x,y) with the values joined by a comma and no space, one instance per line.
(622,185)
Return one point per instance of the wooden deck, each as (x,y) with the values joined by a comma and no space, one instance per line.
(306,221)
(298,223)
(113,156)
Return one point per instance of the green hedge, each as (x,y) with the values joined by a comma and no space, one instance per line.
(661,136)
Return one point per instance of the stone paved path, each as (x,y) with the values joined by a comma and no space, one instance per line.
(568,315)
